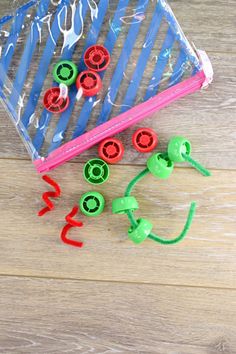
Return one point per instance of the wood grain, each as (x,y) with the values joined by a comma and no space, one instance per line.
(52,316)
(112,296)
(203,23)
(32,246)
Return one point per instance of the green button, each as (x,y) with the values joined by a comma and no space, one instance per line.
(92,204)
(65,72)
(160,165)
(96,171)
(140,233)
(122,205)
(178,146)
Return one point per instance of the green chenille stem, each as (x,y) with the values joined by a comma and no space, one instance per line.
(152,236)
(134,181)
(128,191)
(182,234)
(197,165)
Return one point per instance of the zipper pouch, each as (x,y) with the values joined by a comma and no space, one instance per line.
(151,65)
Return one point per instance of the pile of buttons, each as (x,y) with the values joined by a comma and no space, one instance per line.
(88,82)
(97,171)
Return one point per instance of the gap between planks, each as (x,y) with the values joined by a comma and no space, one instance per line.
(119,165)
(50,315)
(25,276)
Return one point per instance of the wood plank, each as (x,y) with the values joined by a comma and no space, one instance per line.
(31,246)
(42,316)
(203,23)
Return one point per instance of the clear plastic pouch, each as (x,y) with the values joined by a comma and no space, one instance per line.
(152,64)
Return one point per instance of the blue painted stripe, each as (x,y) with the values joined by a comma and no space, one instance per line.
(45,62)
(160,65)
(179,69)
(67,53)
(21,129)
(195,70)
(10,45)
(143,59)
(78,21)
(122,63)
(12,40)
(115,29)
(5,19)
(23,8)
(27,6)
(30,47)
(91,39)
(180,37)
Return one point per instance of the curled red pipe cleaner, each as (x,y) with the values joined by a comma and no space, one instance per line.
(47,195)
(70,216)
(71,223)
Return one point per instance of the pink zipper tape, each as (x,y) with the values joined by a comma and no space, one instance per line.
(116,125)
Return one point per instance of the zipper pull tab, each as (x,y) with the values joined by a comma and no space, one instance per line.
(206,67)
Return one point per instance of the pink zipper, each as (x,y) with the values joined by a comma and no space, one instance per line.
(120,123)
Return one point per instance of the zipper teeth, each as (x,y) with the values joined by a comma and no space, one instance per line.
(186,89)
(58,159)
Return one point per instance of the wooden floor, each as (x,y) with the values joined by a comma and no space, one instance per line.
(112,296)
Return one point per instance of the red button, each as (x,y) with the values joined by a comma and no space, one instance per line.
(97,58)
(53,102)
(145,140)
(111,150)
(90,82)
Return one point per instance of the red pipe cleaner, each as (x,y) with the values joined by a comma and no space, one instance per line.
(56,194)
(71,223)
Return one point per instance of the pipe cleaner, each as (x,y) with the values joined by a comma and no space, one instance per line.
(160,165)
(47,195)
(71,223)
